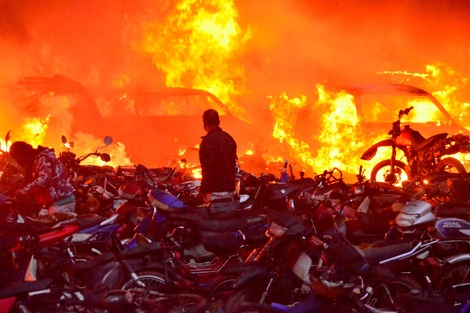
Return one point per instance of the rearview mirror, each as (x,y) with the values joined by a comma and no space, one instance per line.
(7,139)
(66,143)
(105,157)
(8,136)
(108,140)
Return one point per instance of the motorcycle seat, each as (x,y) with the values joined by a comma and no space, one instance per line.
(227,243)
(23,288)
(375,255)
(223,243)
(429,141)
(231,221)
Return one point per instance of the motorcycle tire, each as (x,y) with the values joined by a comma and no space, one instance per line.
(389,296)
(244,296)
(377,175)
(184,302)
(219,293)
(256,308)
(451,165)
(453,275)
(152,280)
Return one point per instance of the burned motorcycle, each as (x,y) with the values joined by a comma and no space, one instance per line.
(95,185)
(422,156)
(375,204)
(278,270)
(280,194)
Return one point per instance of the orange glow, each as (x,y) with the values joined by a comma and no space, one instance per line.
(35,130)
(196,173)
(284,111)
(198,45)
(262,59)
(341,140)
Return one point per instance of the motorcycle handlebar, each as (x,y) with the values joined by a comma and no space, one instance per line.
(103,156)
(404,112)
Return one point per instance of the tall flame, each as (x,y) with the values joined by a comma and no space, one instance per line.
(198,46)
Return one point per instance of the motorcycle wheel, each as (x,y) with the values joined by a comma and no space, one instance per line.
(381,172)
(386,296)
(451,165)
(452,275)
(219,293)
(242,297)
(152,283)
(184,302)
(255,308)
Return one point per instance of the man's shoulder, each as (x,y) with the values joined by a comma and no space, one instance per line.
(224,134)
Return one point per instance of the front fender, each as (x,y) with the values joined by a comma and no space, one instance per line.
(255,274)
(245,272)
(372,151)
(458,258)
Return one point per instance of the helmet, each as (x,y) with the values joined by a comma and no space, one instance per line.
(331,289)
(118,301)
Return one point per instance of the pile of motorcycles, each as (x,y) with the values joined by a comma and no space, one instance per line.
(142,241)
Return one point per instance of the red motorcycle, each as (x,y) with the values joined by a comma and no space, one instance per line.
(421,156)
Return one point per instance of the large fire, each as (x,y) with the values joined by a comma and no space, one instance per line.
(240,53)
(198,46)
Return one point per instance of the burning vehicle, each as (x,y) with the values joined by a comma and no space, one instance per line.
(378,104)
(162,126)
(157,127)
(362,114)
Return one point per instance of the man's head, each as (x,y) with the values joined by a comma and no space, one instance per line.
(210,118)
(23,153)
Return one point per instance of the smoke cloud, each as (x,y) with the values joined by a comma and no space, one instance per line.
(295,44)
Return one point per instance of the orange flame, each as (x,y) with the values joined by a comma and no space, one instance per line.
(197,47)
(35,130)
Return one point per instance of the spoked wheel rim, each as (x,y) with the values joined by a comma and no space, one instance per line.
(149,285)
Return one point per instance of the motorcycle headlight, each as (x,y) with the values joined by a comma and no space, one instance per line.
(276,229)
(359,189)
(406,220)
(331,290)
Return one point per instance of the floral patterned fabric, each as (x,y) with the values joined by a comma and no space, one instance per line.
(50,182)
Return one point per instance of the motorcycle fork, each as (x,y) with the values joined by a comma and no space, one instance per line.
(393,158)
(269,285)
(388,293)
(123,263)
(258,254)
(265,293)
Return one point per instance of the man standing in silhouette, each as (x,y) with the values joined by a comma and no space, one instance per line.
(218,158)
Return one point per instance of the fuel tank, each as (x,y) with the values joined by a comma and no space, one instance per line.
(452,228)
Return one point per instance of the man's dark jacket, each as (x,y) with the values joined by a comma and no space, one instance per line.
(217,154)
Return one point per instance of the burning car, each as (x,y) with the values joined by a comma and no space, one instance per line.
(345,121)
(163,126)
(157,128)
(41,109)
(378,105)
